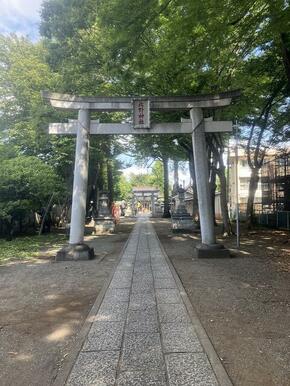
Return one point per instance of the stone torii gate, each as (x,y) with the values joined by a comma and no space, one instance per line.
(142,193)
(197,125)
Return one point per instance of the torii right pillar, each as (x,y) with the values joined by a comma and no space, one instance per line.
(208,247)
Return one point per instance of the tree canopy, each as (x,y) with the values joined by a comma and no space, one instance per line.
(143,47)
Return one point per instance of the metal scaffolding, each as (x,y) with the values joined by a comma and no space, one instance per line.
(275,179)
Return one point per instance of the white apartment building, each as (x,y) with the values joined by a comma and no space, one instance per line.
(244,174)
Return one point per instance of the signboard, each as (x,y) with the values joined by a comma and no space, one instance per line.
(141,113)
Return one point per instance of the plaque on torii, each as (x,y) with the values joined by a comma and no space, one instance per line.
(141,113)
(141,107)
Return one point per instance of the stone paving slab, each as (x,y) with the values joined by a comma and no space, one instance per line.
(164,283)
(167,295)
(142,287)
(142,333)
(117,295)
(142,351)
(142,320)
(105,336)
(179,338)
(113,312)
(146,280)
(120,282)
(141,378)
(94,368)
(189,369)
(162,274)
(139,300)
(173,313)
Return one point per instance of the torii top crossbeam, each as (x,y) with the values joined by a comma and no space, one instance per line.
(157,103)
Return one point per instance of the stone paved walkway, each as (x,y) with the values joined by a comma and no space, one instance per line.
(142,333)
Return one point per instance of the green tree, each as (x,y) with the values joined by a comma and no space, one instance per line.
(178,47)
(125,188)
(23,74)
(157,175)
(26,183)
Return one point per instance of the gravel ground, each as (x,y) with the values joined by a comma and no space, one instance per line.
(43,305)
(242,302)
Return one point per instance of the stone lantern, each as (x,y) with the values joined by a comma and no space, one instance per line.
(104,223)
(181,220)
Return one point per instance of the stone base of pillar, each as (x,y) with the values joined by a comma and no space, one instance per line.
(75,252)
(104,225)
(211,251)
(182,224)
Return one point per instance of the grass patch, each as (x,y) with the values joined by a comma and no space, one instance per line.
(28,247)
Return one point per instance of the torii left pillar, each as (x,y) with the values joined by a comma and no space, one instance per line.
(77,249)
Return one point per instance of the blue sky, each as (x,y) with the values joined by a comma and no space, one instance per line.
(20,17)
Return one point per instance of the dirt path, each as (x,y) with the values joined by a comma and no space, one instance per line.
(43,305)
(243,302)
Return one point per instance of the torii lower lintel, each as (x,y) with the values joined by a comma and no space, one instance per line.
(184,127)
(83,127)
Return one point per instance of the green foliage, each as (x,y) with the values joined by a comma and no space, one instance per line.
(26,183)
(143,47)
(24,116)
(23,74)
(24,248)
(171,47)
(154,178)
(139,180)
(125,188)
(157,178)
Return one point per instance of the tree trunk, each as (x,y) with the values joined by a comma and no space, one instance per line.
(45,214)
(227,227)
(8,226)
(254,180)
(176,179)
(101,179)
(212,183)
(166,212)
(194,188)
(110,182)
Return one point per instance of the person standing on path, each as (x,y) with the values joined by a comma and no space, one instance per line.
(115,213)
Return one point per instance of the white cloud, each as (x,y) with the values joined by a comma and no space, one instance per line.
(135,170)
(25,8)
(20,16)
